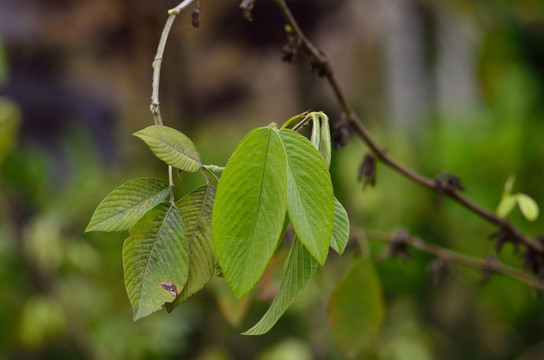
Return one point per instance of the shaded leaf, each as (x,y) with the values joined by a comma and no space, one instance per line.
(356,309)
(172,147)
(196,213)
(340,229)
(325,139)
(528,206)
(299,269)
(310,200)
(250,207)
(506,205)
(155,259)
(292,122)
(128,203)
(233,310)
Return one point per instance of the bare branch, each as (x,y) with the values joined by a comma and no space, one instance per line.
(320,60)
(487,266)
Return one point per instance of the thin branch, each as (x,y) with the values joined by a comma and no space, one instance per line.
(485,265)
(157,64)
(326,69)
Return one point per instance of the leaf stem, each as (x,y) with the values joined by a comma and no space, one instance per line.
(323,63)
(157,64)
(489,265)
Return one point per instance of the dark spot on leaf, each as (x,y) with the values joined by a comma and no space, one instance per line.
(171,288)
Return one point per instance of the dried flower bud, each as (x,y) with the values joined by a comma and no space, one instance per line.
(502,236)
(440,268)
(247,8)
(341,133)
(534,260)
(399,245)
(291,48)
(195,18)
(367,171)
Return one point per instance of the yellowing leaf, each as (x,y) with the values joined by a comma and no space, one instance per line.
(356,309)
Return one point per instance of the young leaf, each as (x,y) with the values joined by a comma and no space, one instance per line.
(506,205)
(250,207)
(292,122)
(299,270)
(528,206)
(128,203)
(155,259)
(172,147)
(340,229)
(196,213)
(310,200)
(356,309)
(508,185)
(315,139)
(325,140)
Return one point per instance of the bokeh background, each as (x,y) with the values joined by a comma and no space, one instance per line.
(453,85)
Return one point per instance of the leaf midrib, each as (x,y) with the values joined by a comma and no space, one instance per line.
(150,252)
(176,149)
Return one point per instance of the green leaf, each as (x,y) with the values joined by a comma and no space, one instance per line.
(196,213)
(155,259)
(300,268)
(509,185)
(292,122)
(128,203)
(315,139)
(506,205)
(340,229)
(250,207)
(310,199)
(528,206)
(325,140)
(10,121)
(356,309)
(172,147)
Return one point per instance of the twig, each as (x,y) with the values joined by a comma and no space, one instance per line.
(157,63)
(485,265)
(326,69)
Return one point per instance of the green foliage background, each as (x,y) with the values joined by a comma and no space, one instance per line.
(62,291)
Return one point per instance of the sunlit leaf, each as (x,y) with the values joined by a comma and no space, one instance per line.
(196,213)
(155,259)
(250,207)
(128,203)
(356,309)
(310,200)
(340,229)
(509,185)
(10,119)
(506,205)
(172,147)
(528,207)
(299,270)
(315,139)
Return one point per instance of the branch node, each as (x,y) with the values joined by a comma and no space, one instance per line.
(489,269)
(446,183)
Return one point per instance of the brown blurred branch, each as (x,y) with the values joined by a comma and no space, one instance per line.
(487,266)
(157,63)
(324,66)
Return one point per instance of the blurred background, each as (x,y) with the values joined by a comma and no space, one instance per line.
(454,85)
